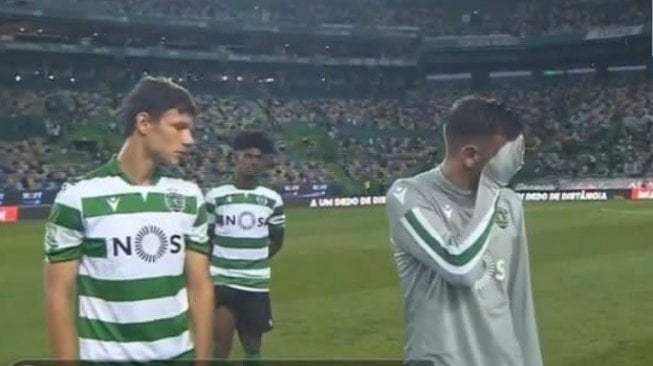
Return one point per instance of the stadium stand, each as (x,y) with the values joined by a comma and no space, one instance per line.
(435,18)
(578,126)
(364,126)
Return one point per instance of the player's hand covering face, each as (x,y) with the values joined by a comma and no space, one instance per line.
(506,163)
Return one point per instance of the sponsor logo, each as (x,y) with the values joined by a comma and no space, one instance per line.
(245,220)
(448,210)
(113,203)
(150,244)
(400,194)
(495,269)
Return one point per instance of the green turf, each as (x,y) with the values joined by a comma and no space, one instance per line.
(335,291)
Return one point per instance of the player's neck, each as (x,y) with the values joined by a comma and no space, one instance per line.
(458,176)
(135,164)
(244,182)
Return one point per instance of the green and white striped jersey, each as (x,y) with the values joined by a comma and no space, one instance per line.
(243,220)
(130,242)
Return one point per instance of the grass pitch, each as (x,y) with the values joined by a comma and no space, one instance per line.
(335,293)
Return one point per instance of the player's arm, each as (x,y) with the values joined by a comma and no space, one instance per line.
(418,228)
(63,239)
(521,299)
(199,284)
(277,228)
(59,304)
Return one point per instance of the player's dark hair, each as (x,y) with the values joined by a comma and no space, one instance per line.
(154,96)
(254,139)
(475,116)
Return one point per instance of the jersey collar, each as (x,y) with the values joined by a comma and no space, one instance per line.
(447,185)
(113,168)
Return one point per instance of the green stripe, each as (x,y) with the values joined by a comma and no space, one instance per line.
(64,255)
(134,332)
(195,246)
(134,203)
(277,211)
(96,248)
(457,260)
(240,263)
(66,216)
(240,243)
(251,198)
(202,216)
(130,290)
(260,283)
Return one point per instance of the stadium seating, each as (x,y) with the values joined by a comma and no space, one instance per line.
(514,17)
(577,126)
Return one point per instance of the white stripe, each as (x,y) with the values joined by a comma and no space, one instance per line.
(250,289)
(114,225)
(91,349)
(131,268)
(277,220)
(238,253)
(263,273)
(114,185)
(458,270)
(125,312)
(467,243)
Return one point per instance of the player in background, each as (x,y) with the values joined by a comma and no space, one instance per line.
(460,247)
(246,226)
(133,243)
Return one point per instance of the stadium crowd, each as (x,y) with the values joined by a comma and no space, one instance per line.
(435,18)
(577,126)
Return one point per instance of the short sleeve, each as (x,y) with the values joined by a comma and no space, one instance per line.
(210,207)
(64,231)
(277,220)
(196,236)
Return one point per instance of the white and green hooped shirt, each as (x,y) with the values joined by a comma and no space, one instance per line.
(130,242)
(243,221)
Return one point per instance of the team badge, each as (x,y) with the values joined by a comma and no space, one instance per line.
(501,217)
(175,202)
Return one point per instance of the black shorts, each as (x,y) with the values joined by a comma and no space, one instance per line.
(252,310)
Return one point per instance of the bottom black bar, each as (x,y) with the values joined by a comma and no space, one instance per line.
(229,363)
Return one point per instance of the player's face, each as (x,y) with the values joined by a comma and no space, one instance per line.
(250,162)
(480,151)
(169,138)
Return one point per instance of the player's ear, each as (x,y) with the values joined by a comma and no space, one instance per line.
(471,157)
(143,123)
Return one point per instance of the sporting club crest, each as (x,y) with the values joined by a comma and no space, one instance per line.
(175,201)
(501,217)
